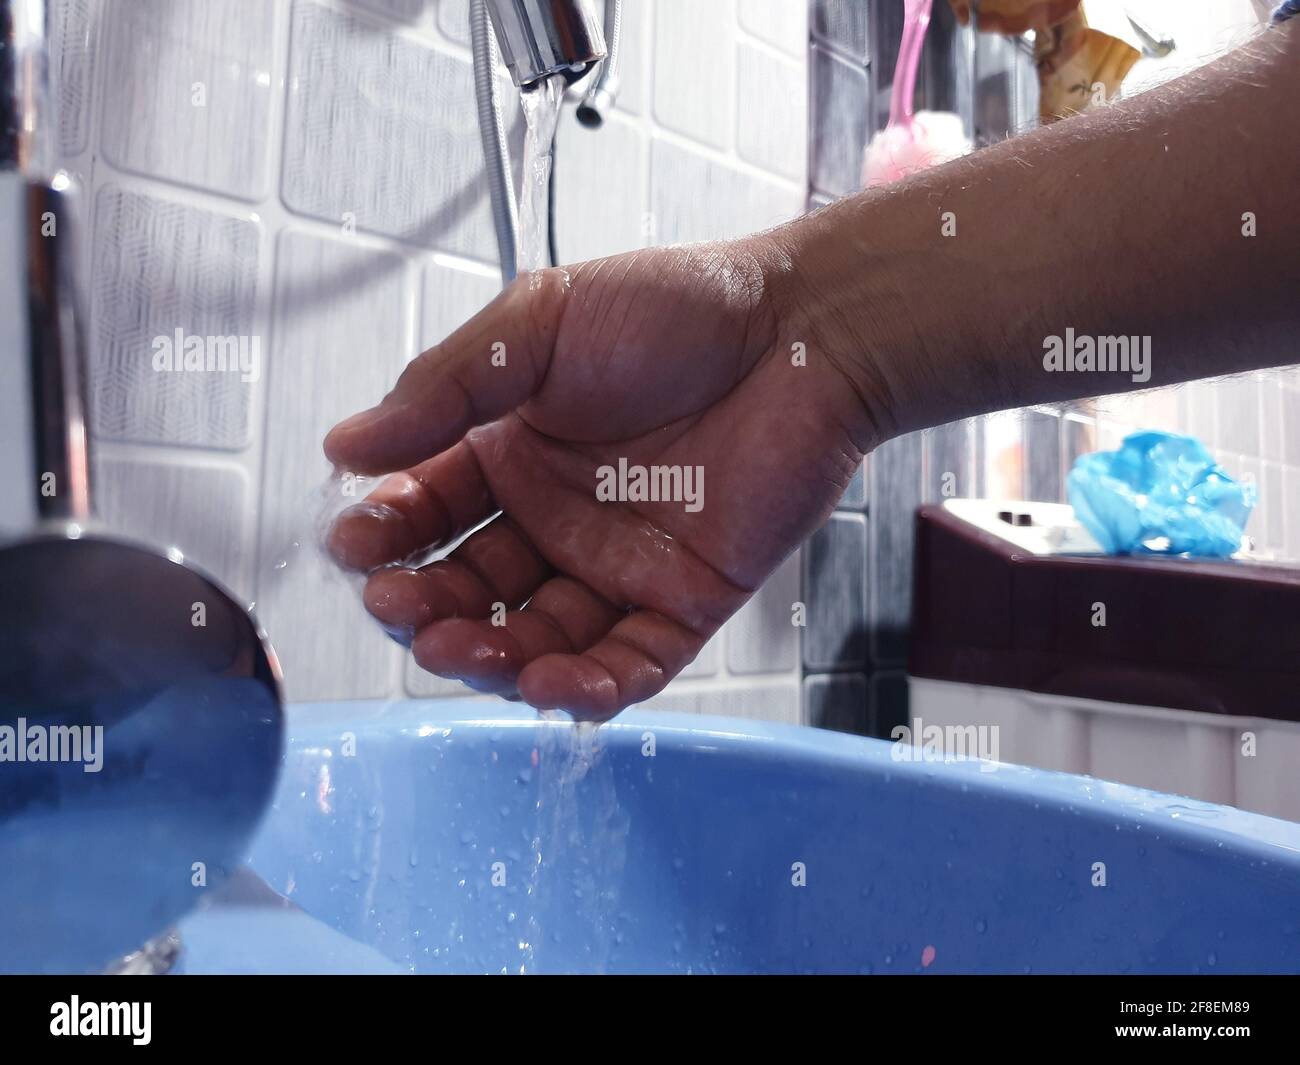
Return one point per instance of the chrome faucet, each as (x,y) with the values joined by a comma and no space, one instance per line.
(543,38)
(537,40)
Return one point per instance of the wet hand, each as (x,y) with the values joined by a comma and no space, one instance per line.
(554,424)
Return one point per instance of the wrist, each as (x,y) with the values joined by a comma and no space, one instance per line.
(839,298)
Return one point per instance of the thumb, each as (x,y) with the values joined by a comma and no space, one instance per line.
(484,370)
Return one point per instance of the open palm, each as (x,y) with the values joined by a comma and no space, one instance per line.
(680,359)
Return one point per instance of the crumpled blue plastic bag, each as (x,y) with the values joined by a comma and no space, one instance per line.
(1160,493)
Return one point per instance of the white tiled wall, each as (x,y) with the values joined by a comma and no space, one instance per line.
(308,172)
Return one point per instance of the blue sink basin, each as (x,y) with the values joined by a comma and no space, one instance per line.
(415,837)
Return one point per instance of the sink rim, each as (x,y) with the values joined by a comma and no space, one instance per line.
(1179,818)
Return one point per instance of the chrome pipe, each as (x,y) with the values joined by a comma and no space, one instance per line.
(24,88)
(38,263)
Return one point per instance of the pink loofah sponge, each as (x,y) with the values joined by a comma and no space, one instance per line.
(931,137)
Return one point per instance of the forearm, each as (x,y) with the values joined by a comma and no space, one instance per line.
(936,295)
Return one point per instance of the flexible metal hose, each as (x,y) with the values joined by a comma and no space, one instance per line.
(492,130)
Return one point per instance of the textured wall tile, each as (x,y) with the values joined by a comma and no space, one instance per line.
(781,23)
(1199,411)
(843,25)
(834,589)
(453,20)
(200,510)
(839,123)
(855,495)
(695,69)
(1248,470)
(708,661)
(451,296)
(383,130)
(160,266)
(895,493)
(1110,435)
(1291,426)
(340,333)
(1002,455)
(1291,509)
(724,202)
(600,187)
(633,64)
(761,638)
(1043,457)
(1271,426)
(1272,519)
(837,701)
(996,78)
(949,462)
(73,39)
(157,52)
(886,28)
(890,703)
(402,10)
(772,123)
(769,701)
(1078,437)
(1025,76)
(421,685)
(1239,406)
(1159,408)
(1125,408)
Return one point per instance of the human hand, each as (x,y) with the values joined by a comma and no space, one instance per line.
(695,359)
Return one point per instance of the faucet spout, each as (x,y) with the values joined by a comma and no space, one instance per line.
(542,38)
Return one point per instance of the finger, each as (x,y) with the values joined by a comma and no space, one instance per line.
(495,565)
(634,661)
(425,507)
(482,371)
(564,617)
